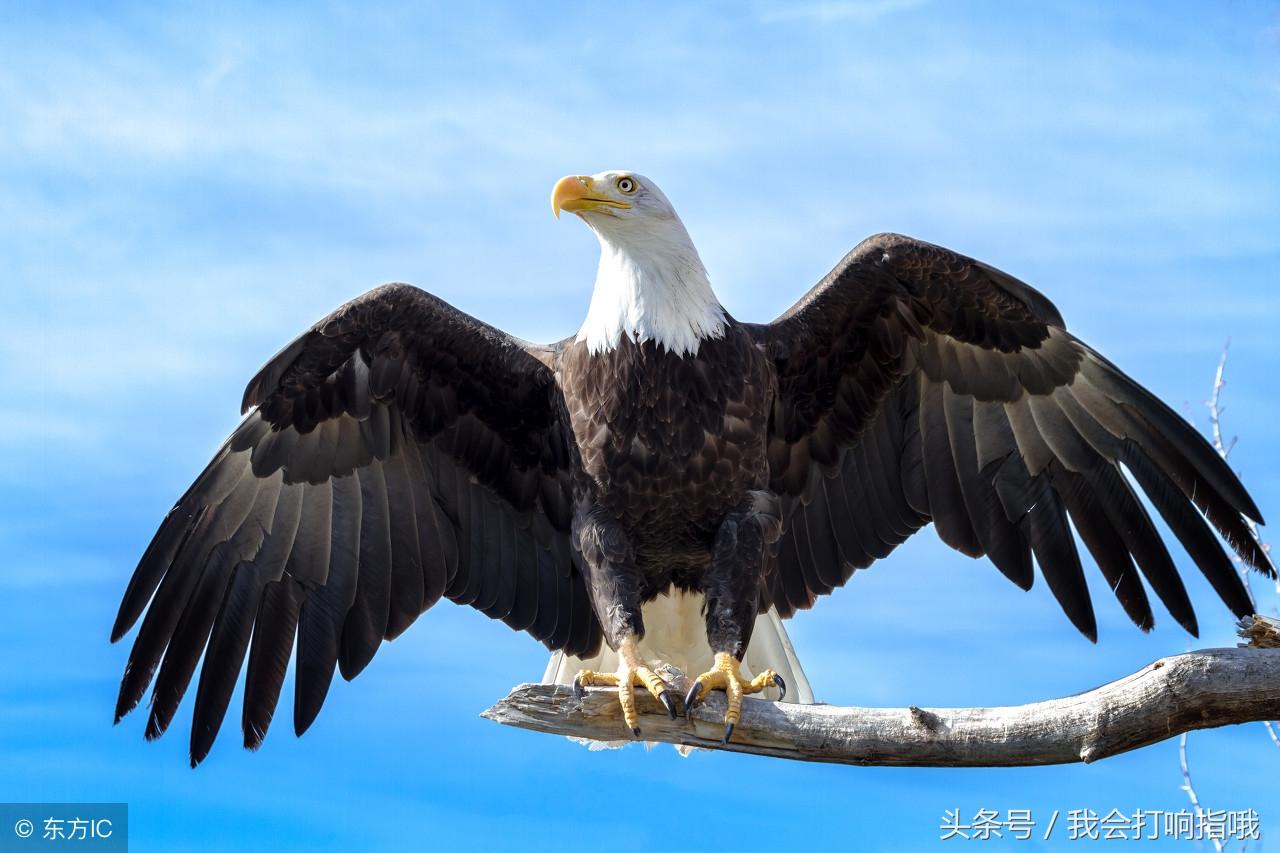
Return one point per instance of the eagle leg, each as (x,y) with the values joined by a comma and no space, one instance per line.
(727,676)
(741,558)
(632,673)
(615,584)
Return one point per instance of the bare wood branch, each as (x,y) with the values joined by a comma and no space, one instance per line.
(1198,690)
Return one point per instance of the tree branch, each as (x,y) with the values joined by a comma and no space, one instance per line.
(1198,690)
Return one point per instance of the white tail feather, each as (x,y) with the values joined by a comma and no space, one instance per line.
(675,633)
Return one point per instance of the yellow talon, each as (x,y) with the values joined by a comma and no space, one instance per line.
(630,675)
(727,676)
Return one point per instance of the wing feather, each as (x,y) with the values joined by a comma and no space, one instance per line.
(397,452)
(269,653)
(946,499)
(321,617)
(931,387)
(1000,539)
(408,583)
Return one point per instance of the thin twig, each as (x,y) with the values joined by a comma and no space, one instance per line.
(1190,788)
(1224,449)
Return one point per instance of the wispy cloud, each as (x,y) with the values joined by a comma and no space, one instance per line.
(860,11)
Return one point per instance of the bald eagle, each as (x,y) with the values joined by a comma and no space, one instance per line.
(666,485)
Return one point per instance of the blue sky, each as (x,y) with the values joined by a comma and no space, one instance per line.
(181,191)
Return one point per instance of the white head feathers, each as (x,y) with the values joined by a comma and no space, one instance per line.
(651,284)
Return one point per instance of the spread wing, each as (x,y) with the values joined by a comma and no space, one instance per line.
(400,451)
(918,385)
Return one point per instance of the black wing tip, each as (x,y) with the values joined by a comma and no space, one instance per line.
(1243,609)
(130,609)
(354,655)
(305,714)
(126,617)
(1145,621)
(1082,617)
(300,726)
(1266,567)
(253,738)
(1140,615)
(124,705)
(199,752)
(201,743)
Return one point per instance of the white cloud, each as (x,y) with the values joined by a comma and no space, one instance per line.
(859,11)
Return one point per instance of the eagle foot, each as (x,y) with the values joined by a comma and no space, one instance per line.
(626,679)
(727,676)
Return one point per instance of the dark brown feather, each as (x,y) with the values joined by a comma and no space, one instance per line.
(410,424)
(1008,426)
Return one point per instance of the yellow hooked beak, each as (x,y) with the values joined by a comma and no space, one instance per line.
(576,193)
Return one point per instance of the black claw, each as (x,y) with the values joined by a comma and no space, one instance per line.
(636,731)
(691,697)
(728,730)
(668,703)
(577,688)
(781,685)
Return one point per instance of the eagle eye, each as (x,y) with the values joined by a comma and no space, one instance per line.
(627,186)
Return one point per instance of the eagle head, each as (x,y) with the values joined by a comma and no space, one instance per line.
(651,284)
(615,203)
